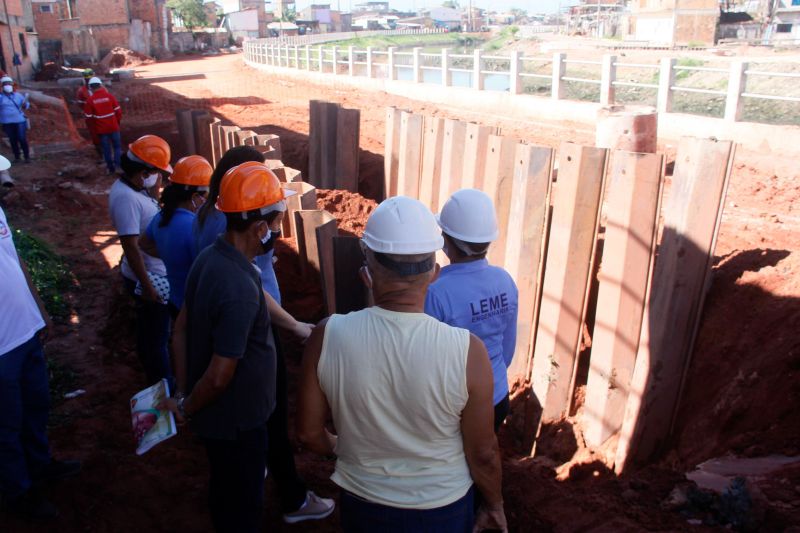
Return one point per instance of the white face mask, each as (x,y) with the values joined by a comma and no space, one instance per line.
(266,237)
(8,88)
(150,180)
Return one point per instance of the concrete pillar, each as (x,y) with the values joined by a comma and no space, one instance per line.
(447,76)
(308,57)
(321,58)
(296,57)
(666,79)
(736,86)
(629,128)
(514,79)
(607,76)
(350,62)
(369,62)
(392,73)
(335,51)
(417,76)
(477,67)
(559,68)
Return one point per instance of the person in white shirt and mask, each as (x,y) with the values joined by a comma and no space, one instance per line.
(133,202)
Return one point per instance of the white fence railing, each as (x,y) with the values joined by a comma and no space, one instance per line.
(514,69)
(319,38)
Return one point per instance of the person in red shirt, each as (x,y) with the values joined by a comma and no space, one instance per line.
(104,115)
(81,97)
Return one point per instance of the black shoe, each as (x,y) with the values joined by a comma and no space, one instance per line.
(56,470)
(33,506)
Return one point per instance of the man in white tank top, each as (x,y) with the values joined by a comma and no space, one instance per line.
(410,397)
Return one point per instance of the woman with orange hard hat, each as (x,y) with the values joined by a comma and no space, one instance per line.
(169,235)
(133,202)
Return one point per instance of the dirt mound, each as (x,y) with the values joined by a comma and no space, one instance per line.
(350,209)
(120,57)
(50,71)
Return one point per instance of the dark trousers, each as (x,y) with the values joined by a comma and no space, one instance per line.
(17,134)
(361,516)
(280,458)
(236,484)
(107,142)
(24,406)
(152,336)
(501,409)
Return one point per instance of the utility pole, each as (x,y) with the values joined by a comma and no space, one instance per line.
(598,20)
(469,16)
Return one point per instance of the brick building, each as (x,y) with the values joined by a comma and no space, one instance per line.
(17,38)
(674,21)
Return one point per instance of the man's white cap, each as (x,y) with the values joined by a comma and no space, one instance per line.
(95,81)
(6,79)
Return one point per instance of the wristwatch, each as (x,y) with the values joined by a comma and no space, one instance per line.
(180,407)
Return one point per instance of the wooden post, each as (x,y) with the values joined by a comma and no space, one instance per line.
(391,157)
(680,279)
(498,184)
(350,61)
(474,155)
(433,141)
(608,75)
(447,76)
(737,82)
(410,164)
(390,66)
(304,200)
(477,70)
(569,257)
(514,79)
(634,187)
(452,164)
(347,149)
(530,201)
(666,79)
(370,68)
(350,291)
(558,90)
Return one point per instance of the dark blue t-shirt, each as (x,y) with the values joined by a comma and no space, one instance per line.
(176,247)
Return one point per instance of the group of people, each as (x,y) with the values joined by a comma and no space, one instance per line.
(416,385)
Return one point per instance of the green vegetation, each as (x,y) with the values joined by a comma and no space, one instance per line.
(49,273)
(499,41)
(190,12)
(382,42)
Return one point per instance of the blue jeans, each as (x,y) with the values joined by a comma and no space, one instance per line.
(361,516)
(17,134)
(24,406)
(107,140)
(152,336)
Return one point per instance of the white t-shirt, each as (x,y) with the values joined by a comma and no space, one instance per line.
(20,318)
(131,212)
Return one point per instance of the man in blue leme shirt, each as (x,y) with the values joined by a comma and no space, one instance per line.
(472,294)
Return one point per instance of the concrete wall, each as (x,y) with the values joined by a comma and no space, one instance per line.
(699,27)
(140,36)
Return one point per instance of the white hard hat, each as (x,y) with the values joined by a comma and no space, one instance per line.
(403,226)
(95,81)
(5,164)
(6,79)
(469,216)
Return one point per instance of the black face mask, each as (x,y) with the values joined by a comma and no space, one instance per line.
(268,246)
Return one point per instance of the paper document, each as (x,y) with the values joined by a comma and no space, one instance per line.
(150,425)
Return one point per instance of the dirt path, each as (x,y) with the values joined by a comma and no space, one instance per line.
(748,350)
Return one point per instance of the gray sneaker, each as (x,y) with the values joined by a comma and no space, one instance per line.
(314,508)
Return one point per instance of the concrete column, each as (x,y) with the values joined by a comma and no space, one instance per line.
(447,76)
(666,79)
(559,69)
(630,129)
(308,57)
(736,86)
(350,64)
(296,57)
(321,58)
(514,79)
(392,73)
(417,76)
(607,76)
(335,60)
(477,67)
(369,62)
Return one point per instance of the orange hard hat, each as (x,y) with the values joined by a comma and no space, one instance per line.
(152,150)
(251,187)
(193,170)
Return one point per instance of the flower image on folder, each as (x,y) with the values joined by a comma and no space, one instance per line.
(151,425)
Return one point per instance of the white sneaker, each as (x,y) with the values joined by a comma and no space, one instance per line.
(314,508)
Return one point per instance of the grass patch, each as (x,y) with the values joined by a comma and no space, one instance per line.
(48,271)
(382,42)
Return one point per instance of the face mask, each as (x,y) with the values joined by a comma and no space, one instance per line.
(268,241)
(150,180)
(8,88)
(195,206)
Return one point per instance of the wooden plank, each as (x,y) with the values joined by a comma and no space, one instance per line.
(351,293)
(324,244)
(347,149)
(410,164)
(476,142)
(307,223)
(431,162)
(452,156)
(680,278)
(634,186)
(185,132)
(529,208)
(305,199)
(215,133)
(242,137)
(498,184)
(202,134)
(314,137)
(566,279)
(391,154)
(328,126)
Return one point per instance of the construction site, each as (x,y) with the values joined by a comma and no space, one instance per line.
(654,240)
